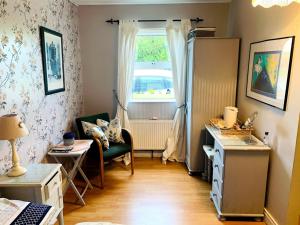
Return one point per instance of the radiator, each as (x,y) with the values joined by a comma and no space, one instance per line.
(150,134)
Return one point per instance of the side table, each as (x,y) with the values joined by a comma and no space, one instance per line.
(40,184)
(76,156)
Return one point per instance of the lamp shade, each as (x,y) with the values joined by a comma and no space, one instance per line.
(11,127)
(270,3)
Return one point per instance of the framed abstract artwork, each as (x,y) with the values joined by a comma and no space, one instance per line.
(269,71)
(52,58)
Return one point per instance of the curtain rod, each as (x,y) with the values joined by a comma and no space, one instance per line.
(197,20)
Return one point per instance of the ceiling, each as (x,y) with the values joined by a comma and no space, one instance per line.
(128,2)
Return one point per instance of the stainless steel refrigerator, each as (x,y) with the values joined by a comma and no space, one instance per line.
(212,75)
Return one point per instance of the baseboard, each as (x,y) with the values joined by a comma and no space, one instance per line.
(269,219)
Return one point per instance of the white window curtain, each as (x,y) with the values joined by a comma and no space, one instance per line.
(177,42)
(126,57)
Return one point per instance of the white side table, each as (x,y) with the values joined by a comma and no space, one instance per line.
(77,156)
(41,184)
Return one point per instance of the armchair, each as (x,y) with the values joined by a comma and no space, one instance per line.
(96,156)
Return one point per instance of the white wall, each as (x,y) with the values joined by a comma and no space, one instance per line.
(255,24)
(99,42)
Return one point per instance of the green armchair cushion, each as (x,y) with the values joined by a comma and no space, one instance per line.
(116,150)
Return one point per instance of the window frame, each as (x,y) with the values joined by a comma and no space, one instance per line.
(151,32)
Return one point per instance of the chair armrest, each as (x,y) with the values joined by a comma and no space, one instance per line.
(99,144)
(127,137)
(99,148)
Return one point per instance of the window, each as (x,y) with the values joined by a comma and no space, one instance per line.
(152,80)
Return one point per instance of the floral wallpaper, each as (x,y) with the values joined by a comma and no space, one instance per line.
(21,75)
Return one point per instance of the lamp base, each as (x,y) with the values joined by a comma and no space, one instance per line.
(16,171)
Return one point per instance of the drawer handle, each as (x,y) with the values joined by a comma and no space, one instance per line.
(215,180)
(217,150)
(216,166)
(215,195)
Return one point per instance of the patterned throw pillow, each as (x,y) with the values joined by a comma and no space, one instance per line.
(95,131)
(103,124)
(112,130)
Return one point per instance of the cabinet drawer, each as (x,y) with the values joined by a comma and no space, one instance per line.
(216,197)
(53,192)
(218,166)
(52,184)
(217,181)
(219,152)
(55,199)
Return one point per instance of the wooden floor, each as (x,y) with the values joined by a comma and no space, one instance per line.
(155,195)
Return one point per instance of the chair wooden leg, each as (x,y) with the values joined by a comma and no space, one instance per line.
(132,161)
(101,162)
(102,174)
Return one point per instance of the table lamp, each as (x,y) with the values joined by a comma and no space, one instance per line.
(11,128)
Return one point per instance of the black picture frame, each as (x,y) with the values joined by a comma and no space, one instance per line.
(269,68)
(52,59)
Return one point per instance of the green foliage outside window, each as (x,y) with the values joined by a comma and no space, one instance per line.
(151,49)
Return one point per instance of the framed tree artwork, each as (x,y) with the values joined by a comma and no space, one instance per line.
(52,58)
(269,71)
